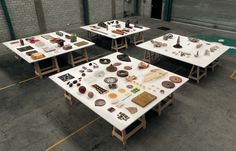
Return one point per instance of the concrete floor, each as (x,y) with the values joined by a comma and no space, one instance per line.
(34,116)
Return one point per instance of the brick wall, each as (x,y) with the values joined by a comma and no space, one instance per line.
(23,17)
(146,7)
(119,8)
(59,13)
(100,10)
(4,32)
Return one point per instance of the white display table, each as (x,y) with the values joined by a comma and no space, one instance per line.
(137,33)
(188,53)
(124,97)
(43,45)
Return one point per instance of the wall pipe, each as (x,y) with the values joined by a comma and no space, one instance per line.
(86,12)
(168,10)
(8,19)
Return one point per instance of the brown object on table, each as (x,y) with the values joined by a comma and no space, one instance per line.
(122,73)
(118,31)
(144,99)
(112,95)
(110,80)
(111,68)
(128,68)
(29,53)
(162,91)
(90,94)
(143,65)
(132,110)
(175,79)
(131,78)
(117,64)
(60,42)
(22,42)
(130,86)
(177,45)
(124,57)
(67,36)
(99,89)
(122,90)
(54,40)
(102,24)
(81,43)
(168,84)
(104,61)
(111,109)
(67,47)
(37,55)
(153,75)
(82,89)
(99,102)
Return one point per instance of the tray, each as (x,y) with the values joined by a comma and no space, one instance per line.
(144,99)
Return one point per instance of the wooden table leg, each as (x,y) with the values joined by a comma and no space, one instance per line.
(124,136)
(55,64)
(126,44)
(42,71)
(86,55)
(196,73)
(117,46)
(150,56)
(68,97)
(233,75)
(143,121)
(75,60)
(37,70)
(213,65)
(164,104)
(139,38)
(89,35)
(71,59)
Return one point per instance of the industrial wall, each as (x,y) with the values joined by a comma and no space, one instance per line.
(145,8)
(58,15)
(212,13)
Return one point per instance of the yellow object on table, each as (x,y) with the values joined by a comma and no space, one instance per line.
(37,55)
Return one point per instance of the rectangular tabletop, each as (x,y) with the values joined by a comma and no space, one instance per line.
(90,78)
(44,43)
(108,33)
(187,47)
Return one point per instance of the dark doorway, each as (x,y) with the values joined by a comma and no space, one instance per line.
(156,9)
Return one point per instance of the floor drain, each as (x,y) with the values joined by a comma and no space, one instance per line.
(233,75)
(163,28)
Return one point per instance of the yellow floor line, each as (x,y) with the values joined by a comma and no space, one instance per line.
(11,85)
(14,84)
(233,75)
(72,134)
(26,80)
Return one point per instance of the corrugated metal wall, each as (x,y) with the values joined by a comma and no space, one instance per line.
(213,13)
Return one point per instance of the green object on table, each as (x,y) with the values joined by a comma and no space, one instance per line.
(73,38)
(227,41)
(135,90)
